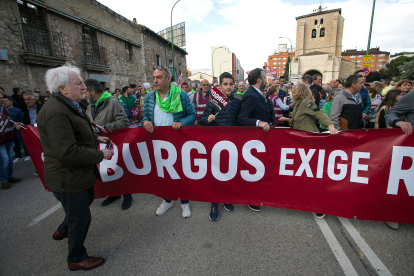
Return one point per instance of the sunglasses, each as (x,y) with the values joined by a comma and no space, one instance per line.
(160,67)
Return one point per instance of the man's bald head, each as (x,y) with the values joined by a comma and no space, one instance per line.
(205,86)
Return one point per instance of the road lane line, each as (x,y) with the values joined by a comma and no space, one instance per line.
(368,252)
(336,248)
(45,214)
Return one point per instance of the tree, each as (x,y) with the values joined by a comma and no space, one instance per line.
(287,70)
(407,70)
(392,67)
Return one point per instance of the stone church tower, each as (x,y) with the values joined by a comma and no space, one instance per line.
(319,46)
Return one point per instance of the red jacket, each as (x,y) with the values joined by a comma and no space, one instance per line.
(8,134)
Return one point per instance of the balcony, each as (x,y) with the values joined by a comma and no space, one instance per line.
(43,47)
(94,57)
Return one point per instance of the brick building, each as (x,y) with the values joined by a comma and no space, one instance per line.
(105,45)
(279,58)
(379,58)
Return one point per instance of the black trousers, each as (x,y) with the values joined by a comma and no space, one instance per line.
(76,222)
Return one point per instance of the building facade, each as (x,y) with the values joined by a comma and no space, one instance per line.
(279,59)
(222,60)
(319,46)
(199,76)
(379,58)
(105,45)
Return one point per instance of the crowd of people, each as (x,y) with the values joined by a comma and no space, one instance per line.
(70,146)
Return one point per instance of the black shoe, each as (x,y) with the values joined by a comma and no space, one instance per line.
(228,207)
(320,215)
(255,208)
(109,200)
(214,212)
(127,203)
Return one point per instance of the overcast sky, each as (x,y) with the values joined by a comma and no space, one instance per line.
(251,28)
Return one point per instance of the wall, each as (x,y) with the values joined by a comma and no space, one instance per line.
(200,76)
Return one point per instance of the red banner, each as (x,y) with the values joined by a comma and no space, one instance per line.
(218,99)
(364,174)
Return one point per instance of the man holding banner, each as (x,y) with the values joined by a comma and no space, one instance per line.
(222,110)
(255,109)
(167,105)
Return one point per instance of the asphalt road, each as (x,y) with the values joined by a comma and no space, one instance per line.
(243,242)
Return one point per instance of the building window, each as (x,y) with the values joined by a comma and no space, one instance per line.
(359,60)
(373,55)
(322,33)
(352,56)
(322,21)
(170,66)
(313,33)
(382,55)
(284,58)
(381,60)
(274,58)
(360,56)
(128,51)
(201,76)
(158,60)
(316,22)
(92,52)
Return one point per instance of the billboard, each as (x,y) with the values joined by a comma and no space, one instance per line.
(178,34)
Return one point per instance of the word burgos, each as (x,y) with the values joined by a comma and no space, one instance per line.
(218,98)
(334,157)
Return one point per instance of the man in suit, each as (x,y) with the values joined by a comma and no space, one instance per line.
(32,109)
(254,109)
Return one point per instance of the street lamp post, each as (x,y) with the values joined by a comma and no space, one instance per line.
(172,43)
(212,61)
(291,52)
(220,66)
(370,28)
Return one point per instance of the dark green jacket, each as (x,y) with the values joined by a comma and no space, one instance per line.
(130,101)
(69,147)
(304,115)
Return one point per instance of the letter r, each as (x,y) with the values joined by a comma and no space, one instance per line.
(396,172)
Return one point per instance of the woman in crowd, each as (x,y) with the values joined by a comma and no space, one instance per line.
(44,100)
(328,105)
(118,93)
(391,98)
(322,95)
(404,86)
(278,105)
(306,112)
(379,87)
(340,86)
(376,100)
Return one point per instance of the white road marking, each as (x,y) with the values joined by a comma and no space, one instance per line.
(337,250)
(45,214)
(368,252)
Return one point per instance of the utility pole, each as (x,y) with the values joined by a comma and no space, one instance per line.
(370,28)
(172,44)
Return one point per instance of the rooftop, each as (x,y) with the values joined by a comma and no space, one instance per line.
(319,13)
(353,52)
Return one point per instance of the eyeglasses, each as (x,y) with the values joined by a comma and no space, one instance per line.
(205,85)
(160,67)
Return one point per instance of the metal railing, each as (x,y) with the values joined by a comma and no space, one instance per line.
(38,41)
(94,54)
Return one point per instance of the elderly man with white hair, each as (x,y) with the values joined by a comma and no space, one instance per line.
(332,84)
(70,158)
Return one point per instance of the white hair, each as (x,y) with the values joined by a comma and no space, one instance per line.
(59,77)
(146,85)
(175,84)
(30,94)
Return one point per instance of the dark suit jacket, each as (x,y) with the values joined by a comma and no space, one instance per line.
(26,118)
(20,101)
(253,108)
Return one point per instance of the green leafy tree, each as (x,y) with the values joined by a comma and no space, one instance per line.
(287,70)
(393,67)
(407,70)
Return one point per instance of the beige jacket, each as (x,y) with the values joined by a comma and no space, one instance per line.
(304,114)
(110,115)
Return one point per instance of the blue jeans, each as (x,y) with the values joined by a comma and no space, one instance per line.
(6,161)
(19,141)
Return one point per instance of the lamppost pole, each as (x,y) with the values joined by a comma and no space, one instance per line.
(212,62)
(370,28)
(172,43)
(291,52)
(221,65)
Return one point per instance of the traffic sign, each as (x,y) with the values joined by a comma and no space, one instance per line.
(367,61)
(366,71)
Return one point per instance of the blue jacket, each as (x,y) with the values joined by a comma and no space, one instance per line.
(16,114)
(366,101)
(187,117)
(226,117)
(255,107)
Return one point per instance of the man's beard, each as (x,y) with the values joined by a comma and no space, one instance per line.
(262,86)
(92,100)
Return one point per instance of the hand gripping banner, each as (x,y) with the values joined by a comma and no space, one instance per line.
(363,174)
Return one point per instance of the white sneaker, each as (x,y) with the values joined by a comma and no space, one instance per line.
(27,158)
(164,207)
(186,210)
(16,160)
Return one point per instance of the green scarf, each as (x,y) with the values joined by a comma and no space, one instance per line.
(241,93)
(173,103)
(147,91)
(105,95)
(192,91)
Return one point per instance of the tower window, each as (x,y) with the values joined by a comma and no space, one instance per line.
(313,33)
(322,34)
(322,21)
(316,22)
